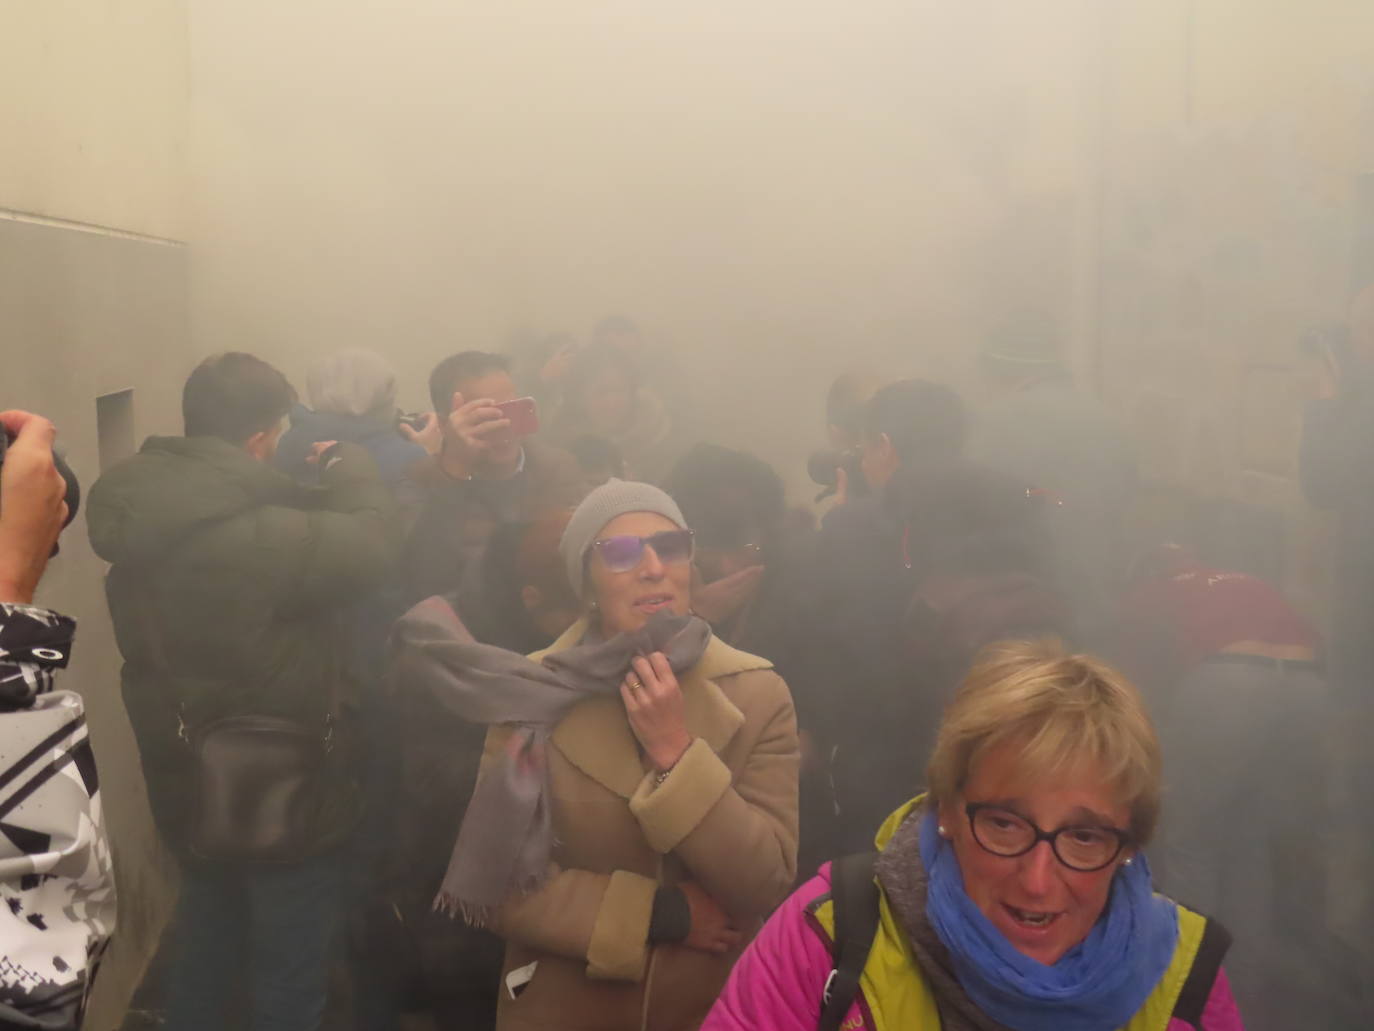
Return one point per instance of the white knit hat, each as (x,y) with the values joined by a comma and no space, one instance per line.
(613,498)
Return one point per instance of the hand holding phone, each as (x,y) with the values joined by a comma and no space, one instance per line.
(523,415)
(474,424)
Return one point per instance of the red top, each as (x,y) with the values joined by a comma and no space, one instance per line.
(1196,611)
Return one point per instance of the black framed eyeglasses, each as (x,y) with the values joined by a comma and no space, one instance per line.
(1085,848)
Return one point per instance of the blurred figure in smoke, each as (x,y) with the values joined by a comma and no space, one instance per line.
(1050,435)
(1014,895)
(836,467)
(352,396)
(516,597)
(228,588)
(859,585)
(604,396)
(844,408)
(976,548)
(735,502)
(751,570)
(907,426)
(598,458)
(482,477)
(539,363)
(1233,674)
(1337,474)
(657,361)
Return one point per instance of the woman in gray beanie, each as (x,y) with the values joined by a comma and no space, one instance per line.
(636,816)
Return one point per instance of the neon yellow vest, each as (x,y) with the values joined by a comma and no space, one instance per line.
(899,999)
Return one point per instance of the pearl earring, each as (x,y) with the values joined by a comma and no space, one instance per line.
(943,833)
(1128,862)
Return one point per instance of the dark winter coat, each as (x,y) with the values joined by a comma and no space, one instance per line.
(245,577)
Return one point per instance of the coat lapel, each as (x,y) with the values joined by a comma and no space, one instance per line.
(596,736)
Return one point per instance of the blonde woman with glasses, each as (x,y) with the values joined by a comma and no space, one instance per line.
(1015,894)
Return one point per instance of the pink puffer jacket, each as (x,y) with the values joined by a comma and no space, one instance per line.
(778,982)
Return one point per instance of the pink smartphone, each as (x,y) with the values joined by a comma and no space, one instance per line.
(523,414)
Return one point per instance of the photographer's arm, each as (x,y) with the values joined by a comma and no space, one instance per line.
(34,642)
(32,509)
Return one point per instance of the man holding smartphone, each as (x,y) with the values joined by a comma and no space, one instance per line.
(491,469)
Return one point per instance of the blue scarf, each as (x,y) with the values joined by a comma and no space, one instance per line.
(1098,985)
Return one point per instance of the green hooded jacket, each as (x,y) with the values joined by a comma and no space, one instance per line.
(247,579)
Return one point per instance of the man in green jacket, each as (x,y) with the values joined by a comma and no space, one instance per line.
(229,592)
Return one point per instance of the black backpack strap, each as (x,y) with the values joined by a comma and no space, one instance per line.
(854,893)
(1197,989)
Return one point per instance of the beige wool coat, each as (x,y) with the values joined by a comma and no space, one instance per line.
(725,818)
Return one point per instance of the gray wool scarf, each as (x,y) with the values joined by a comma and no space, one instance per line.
(506,838)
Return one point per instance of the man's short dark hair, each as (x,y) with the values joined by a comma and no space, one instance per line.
(925,421)
(456,368)
(234,396)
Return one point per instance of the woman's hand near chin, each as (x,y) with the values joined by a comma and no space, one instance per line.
(654,705)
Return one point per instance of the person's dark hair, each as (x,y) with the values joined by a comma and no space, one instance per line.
(466,365)
(981,551)
(517,555)
(726,495)
(234,396)
(965,519)
(925,421)
(588,364)
(597,454)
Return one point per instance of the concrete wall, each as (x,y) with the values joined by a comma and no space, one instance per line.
(94,118)
(93,290)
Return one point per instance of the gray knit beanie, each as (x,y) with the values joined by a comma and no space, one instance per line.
(613,498)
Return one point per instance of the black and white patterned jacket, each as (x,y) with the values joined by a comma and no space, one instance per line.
(57,897)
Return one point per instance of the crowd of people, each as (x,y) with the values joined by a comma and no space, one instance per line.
(539,711)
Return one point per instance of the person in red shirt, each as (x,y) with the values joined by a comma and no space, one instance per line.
(1178,612)
(1236,679)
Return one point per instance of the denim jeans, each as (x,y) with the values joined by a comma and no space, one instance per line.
(255,941)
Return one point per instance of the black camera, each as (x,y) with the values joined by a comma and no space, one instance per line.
(823,465)
(73,494)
